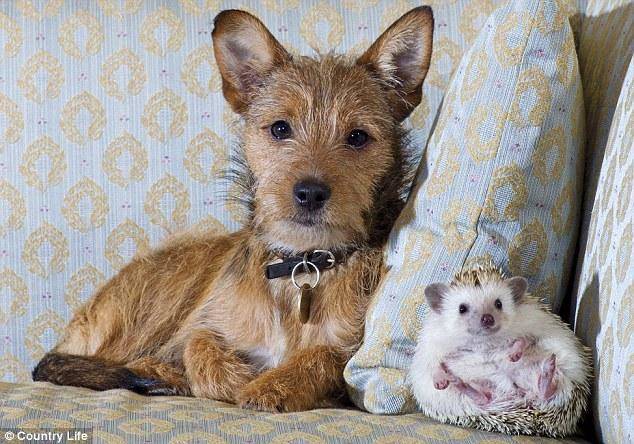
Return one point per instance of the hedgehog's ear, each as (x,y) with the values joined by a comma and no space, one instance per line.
(434,294)
(518,287)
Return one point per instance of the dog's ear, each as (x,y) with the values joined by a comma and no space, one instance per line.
(245,52)
(401,57)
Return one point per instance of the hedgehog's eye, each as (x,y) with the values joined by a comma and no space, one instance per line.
(463,308)
(498,304)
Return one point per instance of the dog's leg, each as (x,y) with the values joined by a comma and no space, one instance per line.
(300,383)
(212,371)
(170,380)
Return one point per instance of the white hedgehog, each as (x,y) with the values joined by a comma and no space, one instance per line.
(491,356)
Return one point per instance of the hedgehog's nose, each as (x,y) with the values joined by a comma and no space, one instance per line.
(487,320)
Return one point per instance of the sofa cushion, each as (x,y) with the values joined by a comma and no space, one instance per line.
(120,416)
(500,181)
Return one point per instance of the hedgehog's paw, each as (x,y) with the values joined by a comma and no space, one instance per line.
(482,397)
(517,349)
(546,382)
(441,377)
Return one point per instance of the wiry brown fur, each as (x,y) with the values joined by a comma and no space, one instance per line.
(197,316)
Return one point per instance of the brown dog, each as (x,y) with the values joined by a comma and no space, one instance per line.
(325,167)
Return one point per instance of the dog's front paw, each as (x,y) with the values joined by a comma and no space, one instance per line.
(262,395)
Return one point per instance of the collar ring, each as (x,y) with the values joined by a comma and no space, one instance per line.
(306,264)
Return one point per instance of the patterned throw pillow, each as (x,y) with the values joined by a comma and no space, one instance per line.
(500,180)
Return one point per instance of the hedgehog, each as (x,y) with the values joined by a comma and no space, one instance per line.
(493,357)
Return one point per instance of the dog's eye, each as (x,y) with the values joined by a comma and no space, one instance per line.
(462,308)
(281,130)
(498,304)
(357,138)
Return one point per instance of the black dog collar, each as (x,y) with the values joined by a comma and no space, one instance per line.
(322,259)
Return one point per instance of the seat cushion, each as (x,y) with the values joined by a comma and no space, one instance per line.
(120,416)
(501,181)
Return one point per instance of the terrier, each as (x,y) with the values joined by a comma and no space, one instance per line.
(325,161)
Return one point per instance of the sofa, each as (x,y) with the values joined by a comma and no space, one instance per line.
(114,135)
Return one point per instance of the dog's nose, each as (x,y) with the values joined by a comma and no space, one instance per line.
(311,194)
(487,320)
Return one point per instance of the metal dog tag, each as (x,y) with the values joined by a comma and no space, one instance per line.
(305,295)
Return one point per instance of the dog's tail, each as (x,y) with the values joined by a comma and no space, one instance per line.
(93,373)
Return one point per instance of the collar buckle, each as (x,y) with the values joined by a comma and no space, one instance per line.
(331,260)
